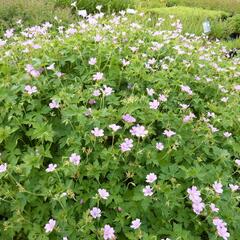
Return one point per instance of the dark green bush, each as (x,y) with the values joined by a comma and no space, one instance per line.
(233,26)
(171,3)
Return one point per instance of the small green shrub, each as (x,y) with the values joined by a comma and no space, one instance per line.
(66,134)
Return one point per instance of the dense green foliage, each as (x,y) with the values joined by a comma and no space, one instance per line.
(181,89)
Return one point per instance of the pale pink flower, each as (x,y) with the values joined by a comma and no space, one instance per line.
(150,91)
(59,74)
(92,61)
(30,89)
(233,187)
(50,226)
(159,146)
(134,49)
(217,186)
(3,167)
(98,76)
(97,132)
(98,38)
(54,104)
(214,208)
(147,191)
(151,177)
(227,134)
(9,33)
(107,91)
(168,133)
(186,89)
(108,233)
(128,118)
(189,117)
(162,98)
(103,193)
(237,87)
(75,159)
(127,145)
(195,196)
(2,42)
(95,212)
(221,228)
(96,93)
(51,167)
(125,62)
(154,104)
(136,223)
(138,131)
(211,114)
(237,161)
(114,127)
(33,72)
(213,129)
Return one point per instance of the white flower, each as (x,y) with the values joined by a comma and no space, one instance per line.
(115,127)
(92,61)
(82,13)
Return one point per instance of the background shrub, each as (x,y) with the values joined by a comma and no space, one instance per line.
(107,5)
(232,6)
(233,26)
(192,19)
(31,12)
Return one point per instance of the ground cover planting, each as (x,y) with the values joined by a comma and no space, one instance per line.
(115,127)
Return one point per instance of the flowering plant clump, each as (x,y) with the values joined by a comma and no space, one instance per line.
(116,128)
